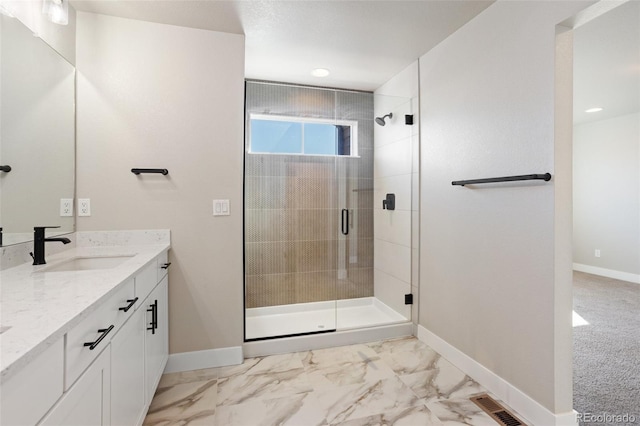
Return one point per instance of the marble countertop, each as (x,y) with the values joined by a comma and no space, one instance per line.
(37,307)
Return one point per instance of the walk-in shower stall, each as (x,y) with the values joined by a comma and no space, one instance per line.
(328,208)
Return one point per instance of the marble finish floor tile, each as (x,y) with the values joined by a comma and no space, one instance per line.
(443,381)
(361,400)
(172,379)
(185,403)
(406,356)
(412,416)
(345,366)
(242,388)
(301,409)
(460,412)
(321,358)
(394,382)
(261,365)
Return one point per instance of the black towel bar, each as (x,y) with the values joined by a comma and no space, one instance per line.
(546,177)
(138,171)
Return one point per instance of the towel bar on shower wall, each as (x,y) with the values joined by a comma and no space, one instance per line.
(546,177)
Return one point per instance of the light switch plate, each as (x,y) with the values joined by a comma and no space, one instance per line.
(84,207)
(66,207)
(221,208)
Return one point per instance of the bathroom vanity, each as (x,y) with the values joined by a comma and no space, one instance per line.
(85,337)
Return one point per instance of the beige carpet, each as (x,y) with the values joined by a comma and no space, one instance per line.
(606,358)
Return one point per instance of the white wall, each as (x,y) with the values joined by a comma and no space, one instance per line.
(606,195)
(488,263)
(154,95)
(395,170)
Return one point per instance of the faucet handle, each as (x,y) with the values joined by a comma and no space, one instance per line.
(45,227)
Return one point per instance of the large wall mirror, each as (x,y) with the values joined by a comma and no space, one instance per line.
(37,134)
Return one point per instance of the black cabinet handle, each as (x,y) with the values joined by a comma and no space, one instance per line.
(154,317)
(131,303)
(345,222)
(138,171)
(104,331)
(166,265)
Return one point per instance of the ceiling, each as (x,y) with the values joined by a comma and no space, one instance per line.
(363,42)
(607,64)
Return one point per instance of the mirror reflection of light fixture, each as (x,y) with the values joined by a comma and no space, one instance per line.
(6,9)
(57,11)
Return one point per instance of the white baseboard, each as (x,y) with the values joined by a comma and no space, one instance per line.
(525,406)
(210,358)
(609,273)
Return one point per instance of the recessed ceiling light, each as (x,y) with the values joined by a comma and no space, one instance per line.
(597,109)
(320,72)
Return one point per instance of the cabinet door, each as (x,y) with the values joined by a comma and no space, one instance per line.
(157,336)
(87,402)
(27,395)
(127,372)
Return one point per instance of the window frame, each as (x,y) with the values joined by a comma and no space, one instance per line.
(353,124)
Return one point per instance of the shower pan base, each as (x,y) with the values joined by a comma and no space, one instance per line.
(341,315)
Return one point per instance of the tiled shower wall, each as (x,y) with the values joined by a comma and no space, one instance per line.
(294,251)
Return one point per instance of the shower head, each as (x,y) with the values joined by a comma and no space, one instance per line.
(380,120)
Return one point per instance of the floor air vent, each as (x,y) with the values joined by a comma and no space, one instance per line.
(496,411)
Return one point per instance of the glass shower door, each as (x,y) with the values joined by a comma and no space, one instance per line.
(355,286)
(290,247)
(377,247)
(291,212)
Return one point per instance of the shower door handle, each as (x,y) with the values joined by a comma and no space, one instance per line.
(345,222)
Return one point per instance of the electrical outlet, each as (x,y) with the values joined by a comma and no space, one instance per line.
(597,253)
(84,207)
(66,206)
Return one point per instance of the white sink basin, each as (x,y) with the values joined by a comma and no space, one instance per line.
(87,263)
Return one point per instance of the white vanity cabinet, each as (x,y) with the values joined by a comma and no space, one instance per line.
(157,336)
(156,328)
(106,368)
(88,362)
(140,350)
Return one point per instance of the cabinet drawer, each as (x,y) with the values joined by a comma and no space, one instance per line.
(146,280)
(29,394)
(163,265)
(108,317)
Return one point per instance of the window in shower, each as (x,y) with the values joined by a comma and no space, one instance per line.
(269,134)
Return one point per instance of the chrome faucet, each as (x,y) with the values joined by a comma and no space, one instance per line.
(38,243)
